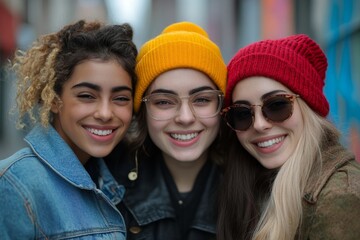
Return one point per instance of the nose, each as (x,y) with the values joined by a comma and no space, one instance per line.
(260,122)
(185,115)
(104,111)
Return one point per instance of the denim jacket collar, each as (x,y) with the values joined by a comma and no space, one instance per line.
(107,183)
(57,154)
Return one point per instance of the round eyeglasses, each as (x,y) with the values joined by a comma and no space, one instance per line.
(165,106)
(275,108)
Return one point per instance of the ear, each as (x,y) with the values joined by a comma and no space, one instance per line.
(55,105)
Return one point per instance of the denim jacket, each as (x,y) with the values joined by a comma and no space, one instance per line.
(46,193)
(147,208)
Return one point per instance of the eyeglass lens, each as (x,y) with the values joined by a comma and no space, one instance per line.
(276,108)
(164,106)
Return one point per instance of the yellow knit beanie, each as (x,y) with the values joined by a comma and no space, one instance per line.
(180,45)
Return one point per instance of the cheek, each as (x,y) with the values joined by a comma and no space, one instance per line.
(155,130)
(212,124)
(125,113)
(241,136)
(154,126)
(74,111)
(296,123)
(297,127)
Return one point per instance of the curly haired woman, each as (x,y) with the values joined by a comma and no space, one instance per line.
(75,89)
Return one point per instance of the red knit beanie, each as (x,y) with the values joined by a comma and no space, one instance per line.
(295,61)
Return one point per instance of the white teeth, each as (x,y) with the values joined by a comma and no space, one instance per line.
(271,142)
(99,132)
(184,137)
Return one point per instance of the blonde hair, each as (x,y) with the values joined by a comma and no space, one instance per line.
(36,79)
(282,213)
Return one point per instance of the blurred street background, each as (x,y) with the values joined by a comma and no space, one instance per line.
(334,24)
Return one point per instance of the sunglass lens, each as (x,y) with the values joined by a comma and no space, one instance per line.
(278,108)
(239,118)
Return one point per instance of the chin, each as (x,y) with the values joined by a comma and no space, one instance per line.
(272,165)
(185,158)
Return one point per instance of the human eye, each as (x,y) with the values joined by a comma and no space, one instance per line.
(122,99)
(241,111)
(277,102)
(204,98)
(163,101)
(85,96)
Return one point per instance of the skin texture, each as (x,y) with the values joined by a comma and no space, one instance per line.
(286,134)
(96,108)
(183,156)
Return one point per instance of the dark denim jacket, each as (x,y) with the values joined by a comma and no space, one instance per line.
(147,207)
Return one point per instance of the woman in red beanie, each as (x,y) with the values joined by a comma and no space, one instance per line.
(286,176)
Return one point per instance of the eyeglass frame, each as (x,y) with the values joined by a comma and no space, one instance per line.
(220,95)
(289,96)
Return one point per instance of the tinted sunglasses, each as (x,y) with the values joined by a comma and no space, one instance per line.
(275,108)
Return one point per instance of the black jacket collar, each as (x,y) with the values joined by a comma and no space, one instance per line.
(148,199)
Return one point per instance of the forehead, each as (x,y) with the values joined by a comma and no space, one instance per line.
(102,73)
(255,87)
(181,80)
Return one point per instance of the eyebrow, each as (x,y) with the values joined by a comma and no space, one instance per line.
(192,91)
(199,89)
(272,93)
(160,90)
(262,97)
(98,88)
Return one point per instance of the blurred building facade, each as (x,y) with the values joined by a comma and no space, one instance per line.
(334,24)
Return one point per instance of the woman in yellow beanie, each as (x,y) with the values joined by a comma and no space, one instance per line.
(171,181)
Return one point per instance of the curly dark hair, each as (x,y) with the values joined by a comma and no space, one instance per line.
(49,63)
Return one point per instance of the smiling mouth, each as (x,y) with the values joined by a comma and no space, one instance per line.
(270,142)
(184,137)
(99,132)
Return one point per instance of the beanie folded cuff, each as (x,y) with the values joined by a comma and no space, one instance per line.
(181,54)
(300,82)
